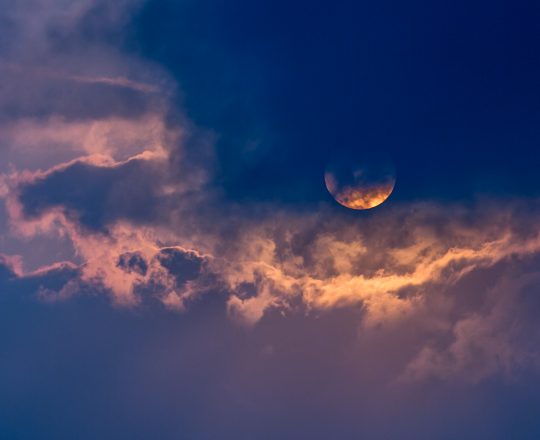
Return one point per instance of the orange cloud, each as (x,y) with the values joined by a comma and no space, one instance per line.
(391,266)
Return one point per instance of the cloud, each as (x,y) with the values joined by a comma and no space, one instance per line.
(40,144)
(499,337)
(68,80)
(102,194)
(32,96)
(83,124)
(133,185)
(395,271)
(143,231)
(56,281)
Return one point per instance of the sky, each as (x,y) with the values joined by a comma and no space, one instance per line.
(172,265)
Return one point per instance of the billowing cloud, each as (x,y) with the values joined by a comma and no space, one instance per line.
(97,152)
(410,264)
(169,253)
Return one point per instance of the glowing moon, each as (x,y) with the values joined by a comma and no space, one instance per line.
(360,186)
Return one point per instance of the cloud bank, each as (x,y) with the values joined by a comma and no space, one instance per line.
(98,152)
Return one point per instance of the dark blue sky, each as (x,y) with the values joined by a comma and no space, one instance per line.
(449,91)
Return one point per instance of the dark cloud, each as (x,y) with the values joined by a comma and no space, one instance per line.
(133,262)
(83,369)
(29,286)
(96,196)
(183,265)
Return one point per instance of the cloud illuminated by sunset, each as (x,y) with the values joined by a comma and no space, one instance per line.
(172,264)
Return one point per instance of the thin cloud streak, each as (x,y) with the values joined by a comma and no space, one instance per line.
(44,72)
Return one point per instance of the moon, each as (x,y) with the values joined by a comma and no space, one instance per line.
(360,185)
